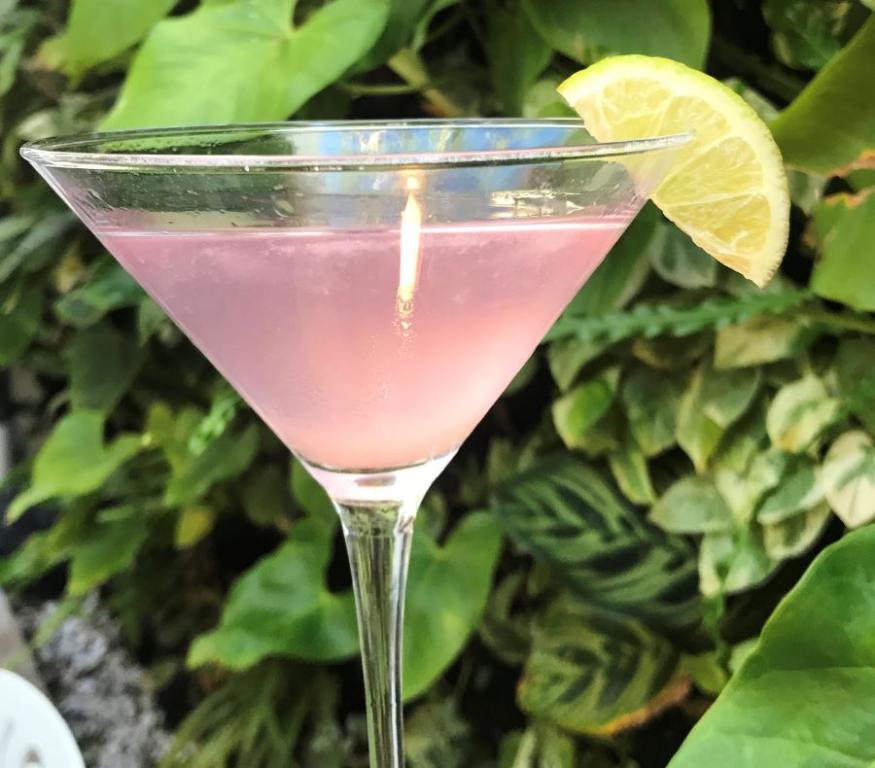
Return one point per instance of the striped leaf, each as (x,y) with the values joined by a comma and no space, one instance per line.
(565,514)
(592,671)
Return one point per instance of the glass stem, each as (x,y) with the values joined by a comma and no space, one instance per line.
(378,539)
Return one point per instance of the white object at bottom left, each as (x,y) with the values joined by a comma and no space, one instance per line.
(32,733)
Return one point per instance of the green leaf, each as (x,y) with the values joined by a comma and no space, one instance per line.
(629,468)
(103,365)
(830,126)
(151,320)
(713,402)
(764,107)
(74,461)
(672,354)
(224,407)
(799,492)
(845,228)
(856,378)
(446,595)
(806,189)
(267,69)
(281,606)
(743,442)
(591,671)
(516,52)
(20,313)
(726,396)
(848,476)
(679,261)
(806,33)
(400,25)
(506,634)
(568,356)
(108,549)
(622,274)
(193,524)
(108,288)
(266,498)
(589,30)
(541,746)
(225,457)
(799,413)
(420,35)
(604,436)
(651,401)
(757,341)
(171,432)
(15,30)
(802,697)
(707,672)
(41,238)
(733,562)
(743,488)
(795,535)
(692,505)
(578,410)
(543,100)
(97,32)
(565,514)
(436,735)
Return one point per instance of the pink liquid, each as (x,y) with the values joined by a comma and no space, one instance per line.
(350,369)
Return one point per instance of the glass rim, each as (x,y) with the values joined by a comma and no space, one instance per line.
(79,151)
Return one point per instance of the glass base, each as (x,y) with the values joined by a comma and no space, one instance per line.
(377,510)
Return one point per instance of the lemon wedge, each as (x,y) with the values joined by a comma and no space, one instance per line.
(727,188)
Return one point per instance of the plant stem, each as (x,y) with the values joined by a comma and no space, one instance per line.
(378,542)
(846,322)
(378,89)
(408,65)
(772,78)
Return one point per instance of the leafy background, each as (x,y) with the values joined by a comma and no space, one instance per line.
(600,560)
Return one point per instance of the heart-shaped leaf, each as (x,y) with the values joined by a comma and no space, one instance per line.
(446,595)
(74,461)
(588,30)
(281,606)
(266,68)
(803,697)
(830,127)
(97,31)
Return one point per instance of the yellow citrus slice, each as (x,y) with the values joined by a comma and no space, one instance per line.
(727,188)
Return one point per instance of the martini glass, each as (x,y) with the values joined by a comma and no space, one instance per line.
(369,288)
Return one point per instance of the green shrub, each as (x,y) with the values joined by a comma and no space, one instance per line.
(623,522)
